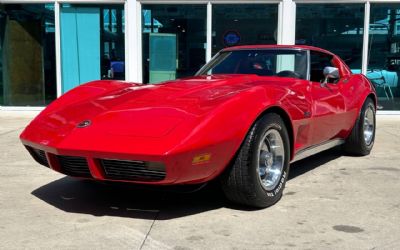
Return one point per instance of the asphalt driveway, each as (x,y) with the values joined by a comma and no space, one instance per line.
(331,201)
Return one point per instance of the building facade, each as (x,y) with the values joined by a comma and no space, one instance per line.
(50,46)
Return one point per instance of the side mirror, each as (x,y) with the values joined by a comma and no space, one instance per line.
(331,73)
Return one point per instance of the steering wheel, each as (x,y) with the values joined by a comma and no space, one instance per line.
(289,73)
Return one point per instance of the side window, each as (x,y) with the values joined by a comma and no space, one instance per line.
(317,64)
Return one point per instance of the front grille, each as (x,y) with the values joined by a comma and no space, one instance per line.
(39,156)
(74,166)
(133,170)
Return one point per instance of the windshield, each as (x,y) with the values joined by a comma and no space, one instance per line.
(266,62)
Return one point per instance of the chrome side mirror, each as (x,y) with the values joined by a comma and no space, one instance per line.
(331,73)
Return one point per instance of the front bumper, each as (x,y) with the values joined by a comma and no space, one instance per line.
(122,167)
(91,167)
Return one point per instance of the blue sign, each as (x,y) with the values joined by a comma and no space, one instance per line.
(231,38)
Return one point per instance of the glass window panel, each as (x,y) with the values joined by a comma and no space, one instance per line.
(243,24)
(384,54)
(92,43)
(334,27)
(318,62)
(123,21)
(262,62)
(106,18)
(174,41)
(27,55)
(114,20)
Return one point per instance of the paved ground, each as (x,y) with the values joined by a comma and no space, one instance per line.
(330,202)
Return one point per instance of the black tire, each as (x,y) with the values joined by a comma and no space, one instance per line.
(356,144)
(241,182)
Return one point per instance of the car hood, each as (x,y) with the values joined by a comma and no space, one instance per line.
(129,110)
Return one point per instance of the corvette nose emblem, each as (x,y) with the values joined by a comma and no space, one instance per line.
(84,124)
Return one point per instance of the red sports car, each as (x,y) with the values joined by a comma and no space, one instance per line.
(244,117)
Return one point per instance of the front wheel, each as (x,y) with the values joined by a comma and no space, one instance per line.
(260,170)
(362,137)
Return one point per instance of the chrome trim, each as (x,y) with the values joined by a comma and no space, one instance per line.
(304,153)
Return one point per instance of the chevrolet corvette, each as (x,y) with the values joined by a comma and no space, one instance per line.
(242,119)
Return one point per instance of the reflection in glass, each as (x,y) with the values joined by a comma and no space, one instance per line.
(92,43)
(243,24)
(27,55)
(384,54)
(334,27)
(262,62)
(174,41)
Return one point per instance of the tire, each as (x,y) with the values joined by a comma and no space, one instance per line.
(243,182)
(358,143)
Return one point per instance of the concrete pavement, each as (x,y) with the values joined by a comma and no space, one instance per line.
(331,201)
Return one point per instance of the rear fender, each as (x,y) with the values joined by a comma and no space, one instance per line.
(365,90)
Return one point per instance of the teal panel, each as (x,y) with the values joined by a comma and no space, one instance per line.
(88,21)
(162,57)
(80,46)
(162,52)
(69,50)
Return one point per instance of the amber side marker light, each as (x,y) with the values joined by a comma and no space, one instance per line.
(203,158)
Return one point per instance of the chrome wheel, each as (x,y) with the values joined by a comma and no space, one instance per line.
(369,125)
(271,159)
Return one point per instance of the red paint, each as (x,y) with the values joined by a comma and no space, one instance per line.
(175,121)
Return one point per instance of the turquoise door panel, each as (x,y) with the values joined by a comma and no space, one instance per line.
(80,46)
(69,50)
(89,44)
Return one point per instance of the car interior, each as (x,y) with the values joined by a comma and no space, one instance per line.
(318,63)
(260,67)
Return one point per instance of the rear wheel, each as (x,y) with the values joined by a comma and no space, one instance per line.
(260,170)
(362,137)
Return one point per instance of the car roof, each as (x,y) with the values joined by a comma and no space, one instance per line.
(251,47)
